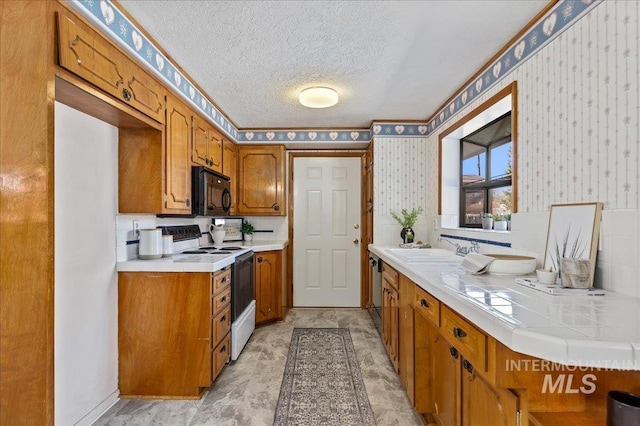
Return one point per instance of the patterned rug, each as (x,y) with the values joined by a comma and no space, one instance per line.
(322,384)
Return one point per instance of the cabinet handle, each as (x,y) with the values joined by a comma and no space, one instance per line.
(223,349)
(260,259)
(454,352)
(424,303)
(188,202)
(223,319)
(223,280)
(467,366)
(126,94)
(276,208)
(459,333)
(224,299)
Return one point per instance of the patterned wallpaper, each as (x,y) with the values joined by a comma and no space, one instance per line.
(578,116)
(399,178)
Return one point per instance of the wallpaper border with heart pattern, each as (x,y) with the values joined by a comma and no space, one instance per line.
(119,28)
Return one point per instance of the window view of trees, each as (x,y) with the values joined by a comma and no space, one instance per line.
(486,157)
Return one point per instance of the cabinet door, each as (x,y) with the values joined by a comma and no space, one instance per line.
(267,285)
(200,142)
(481,401)
(261,180)
(425,337)
(229,168)
(394,324)
(164,337)
(143,92)
(446,383)
(406,336)
(215,150)
(177,164)
(89,56)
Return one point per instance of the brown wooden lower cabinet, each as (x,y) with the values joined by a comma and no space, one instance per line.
(173,332)
(406,336)
(268,286)
(390,314)
(455,374)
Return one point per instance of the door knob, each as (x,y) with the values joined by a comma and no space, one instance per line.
(355,241)
(356,226)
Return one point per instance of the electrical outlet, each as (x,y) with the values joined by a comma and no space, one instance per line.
(136,229)
(435,224)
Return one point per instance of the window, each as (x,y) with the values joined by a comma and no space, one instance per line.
(477,168)
(486,165)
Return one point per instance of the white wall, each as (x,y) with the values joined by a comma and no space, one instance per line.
(86,282)
(578,130)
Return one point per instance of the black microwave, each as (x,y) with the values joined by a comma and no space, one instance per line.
(210,193)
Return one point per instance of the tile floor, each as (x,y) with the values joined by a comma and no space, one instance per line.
(247,391)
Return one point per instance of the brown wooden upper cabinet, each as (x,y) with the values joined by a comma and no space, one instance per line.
(230,169)
(261,183)
(154,167)
(207,145)
(86,54)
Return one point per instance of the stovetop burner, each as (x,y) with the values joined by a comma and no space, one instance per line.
(206,252)
(221,248)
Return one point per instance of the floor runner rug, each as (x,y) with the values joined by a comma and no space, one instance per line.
(322,384)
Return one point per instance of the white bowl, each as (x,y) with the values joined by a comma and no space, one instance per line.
(509,264)
(547,277)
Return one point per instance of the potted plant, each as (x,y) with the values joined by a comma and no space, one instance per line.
(247,230)
(487,221)
(508,217)
(407,221)
(499,223)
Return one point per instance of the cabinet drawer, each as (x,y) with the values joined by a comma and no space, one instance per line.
(221,280)
(427,306)
(221,355)
(390,275)
(221,325)
(220,301)
(471,342)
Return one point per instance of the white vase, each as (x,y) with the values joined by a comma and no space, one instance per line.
(248,237)
(500,225)
(217,233)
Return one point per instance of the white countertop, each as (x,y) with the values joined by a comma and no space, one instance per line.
(197,262)
(595,331)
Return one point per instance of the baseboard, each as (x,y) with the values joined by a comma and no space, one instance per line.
(102,408)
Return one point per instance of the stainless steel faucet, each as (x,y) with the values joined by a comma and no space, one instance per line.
(462,250)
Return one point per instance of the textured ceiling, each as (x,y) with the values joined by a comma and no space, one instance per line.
(388,60)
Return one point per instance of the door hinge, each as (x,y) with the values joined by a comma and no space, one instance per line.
(164,198)
(518,418)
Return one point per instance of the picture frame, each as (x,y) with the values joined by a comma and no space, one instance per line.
(573,231)
(232,227)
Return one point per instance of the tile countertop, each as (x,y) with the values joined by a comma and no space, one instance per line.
(197,262)
(590,331)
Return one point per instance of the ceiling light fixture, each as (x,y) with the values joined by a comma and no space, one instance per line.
(318,97)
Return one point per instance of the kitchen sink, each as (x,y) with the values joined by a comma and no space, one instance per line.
(423,255)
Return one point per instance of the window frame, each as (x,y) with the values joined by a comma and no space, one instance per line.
(509,91)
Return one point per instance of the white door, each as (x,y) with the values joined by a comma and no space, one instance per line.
(326,231)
